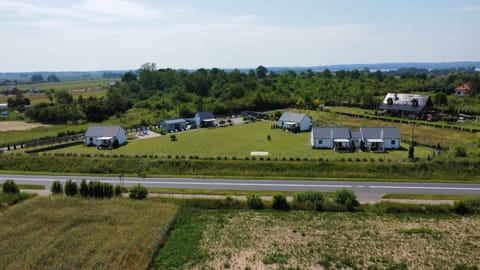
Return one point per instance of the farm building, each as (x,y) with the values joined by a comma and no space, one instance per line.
(205,119)
(406,104)
(174,124)
(379,139)
(336,138)
(33,90)
(462,90)
(105,136)
(295,121)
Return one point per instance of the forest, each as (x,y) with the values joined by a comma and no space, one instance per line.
(181,93)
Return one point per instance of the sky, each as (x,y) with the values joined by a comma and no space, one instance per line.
(80,35)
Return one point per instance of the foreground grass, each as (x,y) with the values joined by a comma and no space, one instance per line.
(7,200)
(74,233)
(426,196)
(244,239)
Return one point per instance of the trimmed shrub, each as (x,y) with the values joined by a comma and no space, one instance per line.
(10,187)
(347,198)
(119,190)
(84,188)
(57,188)
(280,203)
(71,188)
(255,202)
(138,192)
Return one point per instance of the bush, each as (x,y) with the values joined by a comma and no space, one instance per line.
(10,187)
(138,192)
(347,198)
(71,188)
(467,206)
(84,188)
(57,188)
(255,202)
(280,202)
(460,151)
(119,190)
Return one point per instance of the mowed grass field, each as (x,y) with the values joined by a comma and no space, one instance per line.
(74,233)
(237,141)
(244,239)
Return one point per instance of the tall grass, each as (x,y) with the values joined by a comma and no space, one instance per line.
(74,233)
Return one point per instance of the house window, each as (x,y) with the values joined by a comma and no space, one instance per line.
(393,142)
(91,139)
(320,141)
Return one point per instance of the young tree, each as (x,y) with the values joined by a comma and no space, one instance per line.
(347,198)
(411,152)
(84,188)
(57,188)
(280,202)
(10,187)
(71,188)
(254,201)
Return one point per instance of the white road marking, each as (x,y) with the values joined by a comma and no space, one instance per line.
(425,188)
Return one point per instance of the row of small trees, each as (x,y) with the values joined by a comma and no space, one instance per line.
(344,199)
(96,189)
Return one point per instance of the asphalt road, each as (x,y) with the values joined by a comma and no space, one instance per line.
(366,191)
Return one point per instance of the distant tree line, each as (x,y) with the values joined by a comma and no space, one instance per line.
(180,93)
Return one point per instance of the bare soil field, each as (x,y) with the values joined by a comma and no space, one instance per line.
(310,240)
(18,125)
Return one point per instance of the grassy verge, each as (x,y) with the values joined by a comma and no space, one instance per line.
(25,186)
(182,250)
(225,192)
(243,239)
(427,196)
(61,233)
(438,170)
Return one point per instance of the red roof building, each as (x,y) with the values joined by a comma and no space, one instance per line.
(462,90)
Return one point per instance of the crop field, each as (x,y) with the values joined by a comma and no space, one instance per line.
(244,239)
(238,141)
(74,233)
(95,88)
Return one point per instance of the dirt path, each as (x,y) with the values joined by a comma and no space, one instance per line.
(18,125)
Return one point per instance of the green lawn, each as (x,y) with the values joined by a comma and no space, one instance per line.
(74,233)
(238,141)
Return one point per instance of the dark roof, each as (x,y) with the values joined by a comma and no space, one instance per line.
(405,102)
(101,131)
(292,117)
(175,121)
(331,132)
(356,133)
(205,115)
(380,132)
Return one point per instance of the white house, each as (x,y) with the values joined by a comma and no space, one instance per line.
(205,119)
(295,121)
(105,136)
(379,139)
(336,138)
